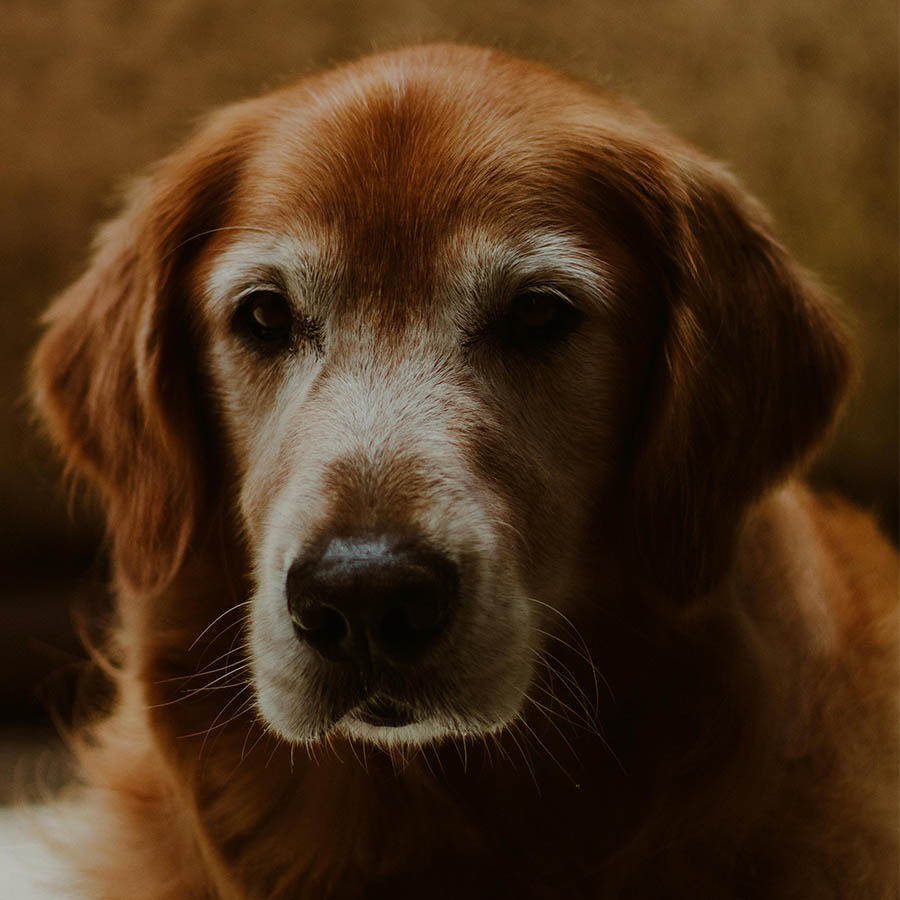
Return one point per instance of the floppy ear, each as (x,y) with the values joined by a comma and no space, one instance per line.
(112,375)
(750,370)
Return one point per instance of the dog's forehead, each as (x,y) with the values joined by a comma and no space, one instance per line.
(395,190)
(392,169)
(400,149)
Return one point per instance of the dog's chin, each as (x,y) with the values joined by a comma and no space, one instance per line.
(413,732)
(383,722)
(389,724)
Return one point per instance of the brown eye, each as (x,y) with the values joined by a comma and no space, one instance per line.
(266,317)
(538,319)
(535,311)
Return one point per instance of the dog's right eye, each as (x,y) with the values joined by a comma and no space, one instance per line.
(265,317)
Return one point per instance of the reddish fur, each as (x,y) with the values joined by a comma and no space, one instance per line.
(756,729)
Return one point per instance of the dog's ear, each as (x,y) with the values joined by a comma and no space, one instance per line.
(112,375)
(749,371)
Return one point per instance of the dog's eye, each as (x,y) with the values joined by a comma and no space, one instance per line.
(265,316)
(538,319)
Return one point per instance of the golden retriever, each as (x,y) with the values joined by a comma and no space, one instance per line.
(446,411)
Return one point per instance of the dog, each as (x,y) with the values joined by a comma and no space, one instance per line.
(448,414)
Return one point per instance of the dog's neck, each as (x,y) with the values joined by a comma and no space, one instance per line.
(268,818)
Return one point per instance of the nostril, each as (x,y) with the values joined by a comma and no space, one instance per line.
(409,621)
(425,610)
(316,611)
(322,626)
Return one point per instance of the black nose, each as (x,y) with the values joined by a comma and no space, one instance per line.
(371,597)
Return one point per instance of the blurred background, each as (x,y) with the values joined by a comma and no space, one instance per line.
(801,96)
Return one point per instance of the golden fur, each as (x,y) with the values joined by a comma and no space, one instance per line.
(671,670)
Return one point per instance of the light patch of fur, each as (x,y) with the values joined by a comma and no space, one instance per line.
(477,259)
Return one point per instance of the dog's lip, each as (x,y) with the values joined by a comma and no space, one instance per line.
(384,711)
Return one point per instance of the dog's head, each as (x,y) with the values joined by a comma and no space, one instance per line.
(446,329)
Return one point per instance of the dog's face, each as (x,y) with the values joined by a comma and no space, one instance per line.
(412,338)
(452,317)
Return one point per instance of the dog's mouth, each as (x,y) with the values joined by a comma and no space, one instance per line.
(384,712)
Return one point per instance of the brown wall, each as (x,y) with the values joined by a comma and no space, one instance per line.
(800,96)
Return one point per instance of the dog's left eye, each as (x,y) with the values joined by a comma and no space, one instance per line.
(538,319)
